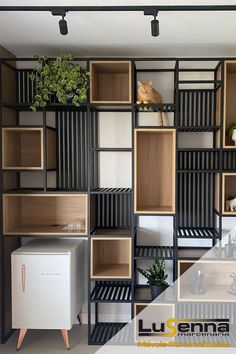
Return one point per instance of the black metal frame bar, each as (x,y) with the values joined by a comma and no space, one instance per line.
(165,8)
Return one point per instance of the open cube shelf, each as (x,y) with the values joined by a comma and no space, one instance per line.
(110,82)
(215,283)
(111,257)
(23,148)
(154,189)
(228,191)
(229,100)
(43,214)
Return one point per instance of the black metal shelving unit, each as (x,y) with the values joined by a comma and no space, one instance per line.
(194,110)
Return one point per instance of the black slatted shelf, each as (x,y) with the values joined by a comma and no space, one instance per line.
(112,191)
(207,253)
(111,292)
(198,171)
(197,232)
(153,252)
(154,107)
(181,82)
(155,126)
(112,231)
(198,129)
(198,149)
(192,252)
(103,332)
(111,149)
(51,107)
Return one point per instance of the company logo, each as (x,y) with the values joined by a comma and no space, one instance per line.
(184,327)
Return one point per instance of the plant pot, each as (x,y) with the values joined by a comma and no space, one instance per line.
(69,100)
(157,290)
(234,136)
(53,98)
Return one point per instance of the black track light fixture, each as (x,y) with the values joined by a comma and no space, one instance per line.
(63,26)
(154,23)
(62,23)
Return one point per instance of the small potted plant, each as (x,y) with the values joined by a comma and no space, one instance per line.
(231,132)
(156,277)
(61,78)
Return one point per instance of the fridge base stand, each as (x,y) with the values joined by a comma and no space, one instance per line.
(22,334)
(65,336)
(21,338)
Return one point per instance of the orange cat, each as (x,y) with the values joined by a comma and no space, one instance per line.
(147,94)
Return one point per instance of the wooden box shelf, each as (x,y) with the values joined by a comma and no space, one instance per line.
(111,257)
(228,190)
(23,149)
(216,280)
(110,82)
(154,187)
(229,100)
(43,214)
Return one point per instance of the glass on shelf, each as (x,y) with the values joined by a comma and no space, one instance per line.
(75,225)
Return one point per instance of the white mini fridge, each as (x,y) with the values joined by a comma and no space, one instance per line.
(47,285)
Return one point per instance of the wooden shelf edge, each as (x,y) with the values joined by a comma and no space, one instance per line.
(20,168)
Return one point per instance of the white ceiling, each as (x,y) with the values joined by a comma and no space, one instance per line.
(119,33)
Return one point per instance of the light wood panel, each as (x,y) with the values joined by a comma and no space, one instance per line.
(217,192)
(43,214)
(216,281)
(228,190)
(229,100)
(218,98)
(111,257)
(218,113)
(110,81)
(51,149)
(154,170)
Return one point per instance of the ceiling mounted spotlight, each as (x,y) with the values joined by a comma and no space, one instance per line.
(62,23)
(154,23)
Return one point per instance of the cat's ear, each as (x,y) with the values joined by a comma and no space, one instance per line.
(139,83)
(150,83)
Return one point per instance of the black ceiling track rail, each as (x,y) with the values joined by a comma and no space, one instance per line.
(164,8)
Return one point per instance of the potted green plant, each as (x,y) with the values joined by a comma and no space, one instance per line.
(231,132)
(156,277)
(62,78)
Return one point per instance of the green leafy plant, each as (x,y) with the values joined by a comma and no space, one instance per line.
(60,77)
(155,274)
(230,129)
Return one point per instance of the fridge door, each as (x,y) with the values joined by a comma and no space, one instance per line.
(41,296)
